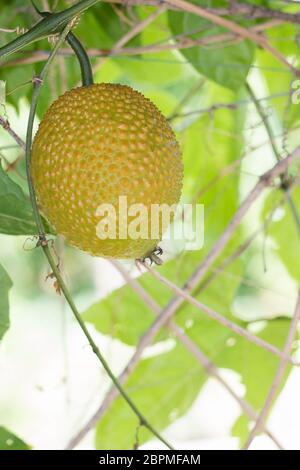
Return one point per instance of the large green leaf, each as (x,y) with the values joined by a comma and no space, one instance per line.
(9,441)
(5,285)
(163,387)
(152,385)
(256,366)
(16,216)
(226,64)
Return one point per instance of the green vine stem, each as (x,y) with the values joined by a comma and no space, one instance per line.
(48,25)
(43,242)
(83,58)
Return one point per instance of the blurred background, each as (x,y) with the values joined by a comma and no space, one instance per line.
(50,381)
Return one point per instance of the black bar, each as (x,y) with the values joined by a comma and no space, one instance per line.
(86,459)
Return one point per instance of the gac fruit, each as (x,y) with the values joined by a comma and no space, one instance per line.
(98,143)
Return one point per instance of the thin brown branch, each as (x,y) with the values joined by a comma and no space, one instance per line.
(216,316)
(6,126)
(137,28)
(235,255)
(278,377)
(255,11)
(234,105)
(244,10)
(234,28)
(219,40)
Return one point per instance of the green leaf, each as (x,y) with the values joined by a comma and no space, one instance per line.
(256,366)
(284,230)
(241,429)
(227,65)
(9,441)
(5,285)
(16,216)
(163,387)
(122,315)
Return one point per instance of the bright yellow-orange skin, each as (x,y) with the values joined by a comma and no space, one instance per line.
(93,145)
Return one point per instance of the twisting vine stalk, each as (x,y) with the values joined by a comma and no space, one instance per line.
(43,242)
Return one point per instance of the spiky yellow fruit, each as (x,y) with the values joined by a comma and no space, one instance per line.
(93,145)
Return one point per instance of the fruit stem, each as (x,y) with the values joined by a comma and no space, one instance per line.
(83,58)
(46,26)
(43,242)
